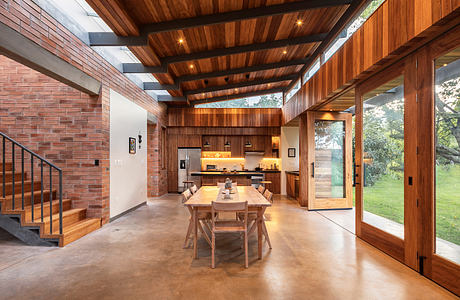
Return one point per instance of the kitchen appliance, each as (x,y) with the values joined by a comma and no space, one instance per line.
(211,168)
(256,179)
(189,161)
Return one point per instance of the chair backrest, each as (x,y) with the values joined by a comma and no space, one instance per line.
(193,189)
(221,206)
(261,189)
(268,195)
(186,195)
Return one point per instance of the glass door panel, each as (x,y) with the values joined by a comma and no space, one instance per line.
(383,157)
(329,159)
(447,164)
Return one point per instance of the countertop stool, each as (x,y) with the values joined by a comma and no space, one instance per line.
(187,184)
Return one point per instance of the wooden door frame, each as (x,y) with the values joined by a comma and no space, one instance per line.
(435,267)
(312,116)
(404,250)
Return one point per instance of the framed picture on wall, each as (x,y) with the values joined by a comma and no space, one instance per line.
(291,152)
(132,145)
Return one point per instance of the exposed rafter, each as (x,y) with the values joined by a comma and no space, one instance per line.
(155,86)
(169,98)
(237,96)
(140,68)
(240,84)
(307,39)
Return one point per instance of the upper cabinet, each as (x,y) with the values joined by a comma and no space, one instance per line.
(238,145)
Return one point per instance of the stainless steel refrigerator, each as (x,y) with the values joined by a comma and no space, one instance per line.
(189,161)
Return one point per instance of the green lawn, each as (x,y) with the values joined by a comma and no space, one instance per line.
(386,199)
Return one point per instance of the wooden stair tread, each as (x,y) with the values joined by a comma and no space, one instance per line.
(79,225)
(64,214)
(46,205)
(19,196)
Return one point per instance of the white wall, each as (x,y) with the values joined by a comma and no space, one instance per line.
(128,172)
(289,139)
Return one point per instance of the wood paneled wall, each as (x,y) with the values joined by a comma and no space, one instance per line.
(397,28)
(225,117)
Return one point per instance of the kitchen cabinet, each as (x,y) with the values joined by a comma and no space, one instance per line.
(216,142)
(236,145)
(292,185)
(275,178)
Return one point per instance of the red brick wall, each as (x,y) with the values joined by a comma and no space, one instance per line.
(44,109)
(157,176)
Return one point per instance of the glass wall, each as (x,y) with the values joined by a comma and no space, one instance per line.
(447,131)
(383,164)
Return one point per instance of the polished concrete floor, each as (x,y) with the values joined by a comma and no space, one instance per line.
(140,256)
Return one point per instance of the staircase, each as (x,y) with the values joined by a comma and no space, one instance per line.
(31,208)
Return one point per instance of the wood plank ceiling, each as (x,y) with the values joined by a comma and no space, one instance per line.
(207,50)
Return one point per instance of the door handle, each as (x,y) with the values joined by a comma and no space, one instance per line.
(313,169)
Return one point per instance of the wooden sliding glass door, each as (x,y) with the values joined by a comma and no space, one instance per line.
(329,160)
(439,161)
(385,157)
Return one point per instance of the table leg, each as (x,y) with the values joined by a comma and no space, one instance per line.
(195,232)
(260,215)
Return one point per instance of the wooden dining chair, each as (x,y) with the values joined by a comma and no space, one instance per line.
(203,217)
(193,189)
(252,217)
(261,189)
(227,226)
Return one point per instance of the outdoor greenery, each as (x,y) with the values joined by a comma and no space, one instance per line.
(268,101)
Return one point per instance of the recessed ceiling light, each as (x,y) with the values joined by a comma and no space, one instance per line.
(202,94)
(236,90)
(191,66)
(299,22)
(445,65)
(269,85)
(181,41)
(284,51)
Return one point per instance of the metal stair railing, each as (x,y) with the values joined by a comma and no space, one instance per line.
(43,163)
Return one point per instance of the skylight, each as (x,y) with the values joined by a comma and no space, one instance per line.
(265,101)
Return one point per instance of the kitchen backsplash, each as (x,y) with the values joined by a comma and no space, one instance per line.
(250,162)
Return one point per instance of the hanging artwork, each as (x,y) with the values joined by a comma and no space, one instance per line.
(132,145)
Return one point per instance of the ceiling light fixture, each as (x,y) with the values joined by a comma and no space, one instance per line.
(284,51)
(191,66)
(181,41)
(299,22)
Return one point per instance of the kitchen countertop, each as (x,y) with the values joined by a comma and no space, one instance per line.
(217,173)
(293,172)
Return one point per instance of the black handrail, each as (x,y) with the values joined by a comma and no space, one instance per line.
(13,190)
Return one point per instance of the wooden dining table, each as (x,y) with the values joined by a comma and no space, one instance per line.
(201,202)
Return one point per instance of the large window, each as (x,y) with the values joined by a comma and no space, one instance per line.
(383,141)
(293,91)
(268,101)
(447,127)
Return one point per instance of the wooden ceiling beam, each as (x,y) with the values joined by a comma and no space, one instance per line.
(234,16)
(307,39)
(156,86)
(237,96)
(140,68)
(240,84)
